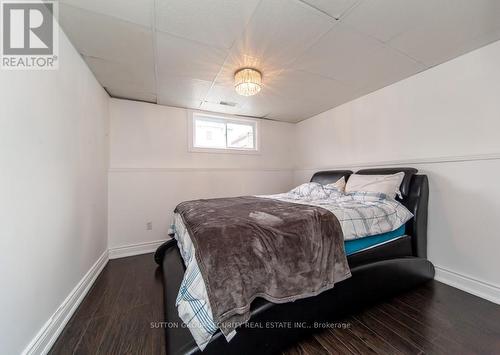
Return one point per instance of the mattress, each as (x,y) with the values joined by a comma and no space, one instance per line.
(361,244)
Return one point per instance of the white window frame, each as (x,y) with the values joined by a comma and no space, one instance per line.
(193,115)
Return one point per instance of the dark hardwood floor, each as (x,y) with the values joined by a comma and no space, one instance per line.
(116,317)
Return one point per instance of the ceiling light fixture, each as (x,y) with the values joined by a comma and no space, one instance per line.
(247,81)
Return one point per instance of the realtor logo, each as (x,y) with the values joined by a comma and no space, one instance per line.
(29,35)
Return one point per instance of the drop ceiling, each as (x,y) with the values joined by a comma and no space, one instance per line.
(314,54)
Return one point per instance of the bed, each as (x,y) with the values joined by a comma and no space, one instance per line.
(380,268)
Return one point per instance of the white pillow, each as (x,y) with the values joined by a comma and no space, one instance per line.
(387,184)
(339,185)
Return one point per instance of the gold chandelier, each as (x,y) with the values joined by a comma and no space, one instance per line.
(247,81)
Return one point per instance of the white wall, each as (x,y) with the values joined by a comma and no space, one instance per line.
(53,156)
(445,122)
(151,169)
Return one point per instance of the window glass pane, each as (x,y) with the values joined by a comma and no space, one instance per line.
(240,135)
(210,133)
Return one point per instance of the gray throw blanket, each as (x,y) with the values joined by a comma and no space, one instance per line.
(248,247)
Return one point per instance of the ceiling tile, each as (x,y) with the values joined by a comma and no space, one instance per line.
(225,93)
(385,19)
(452,28)
(293,112)
(299,95)
(180,57)
(356,59)
(279,31)
(107,37)
(122,92)
(135,11)
(182,92)
(482,40)
(214,22)
(334,8)
(117,74)
(298,85)
(215,107)
(309,61)
(286,110)
(245,105)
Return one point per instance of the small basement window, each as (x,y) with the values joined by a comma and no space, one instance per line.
(212,133)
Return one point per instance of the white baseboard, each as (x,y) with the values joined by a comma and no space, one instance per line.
(51,330)
(134,249)
(468,284)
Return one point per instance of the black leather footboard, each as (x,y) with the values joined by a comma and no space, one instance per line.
(274,326)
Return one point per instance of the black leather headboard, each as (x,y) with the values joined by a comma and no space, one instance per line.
(415,191)
(331,176)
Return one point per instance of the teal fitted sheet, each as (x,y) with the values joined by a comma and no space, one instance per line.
(353,246)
